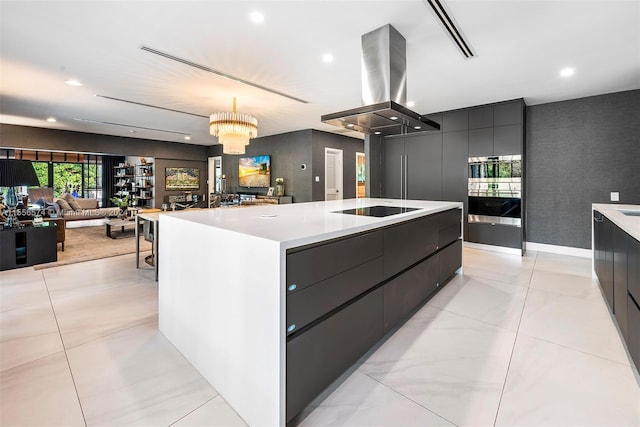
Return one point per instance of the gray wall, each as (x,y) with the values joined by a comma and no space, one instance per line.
(349,146)
(578,151)
(161,164)
(165,153)
(14,136)
(288,151)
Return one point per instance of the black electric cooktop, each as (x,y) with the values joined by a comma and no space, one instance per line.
(377,211)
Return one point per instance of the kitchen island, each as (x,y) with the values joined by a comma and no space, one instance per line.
(273,303)
(616,263)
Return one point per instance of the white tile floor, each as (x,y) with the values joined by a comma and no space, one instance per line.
(513,341)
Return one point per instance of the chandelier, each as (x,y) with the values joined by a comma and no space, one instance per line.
(233,130)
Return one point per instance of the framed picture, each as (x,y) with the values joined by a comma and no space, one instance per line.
(270,191)
(178,179)
(254,171)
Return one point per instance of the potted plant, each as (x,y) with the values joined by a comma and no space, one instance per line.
(279,187)
(122,203)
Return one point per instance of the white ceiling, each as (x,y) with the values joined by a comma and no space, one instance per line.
(521,47)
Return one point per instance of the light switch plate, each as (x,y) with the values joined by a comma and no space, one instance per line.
(317,179)
(615,196)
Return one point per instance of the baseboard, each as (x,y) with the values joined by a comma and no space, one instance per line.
(561,250)
(492,248)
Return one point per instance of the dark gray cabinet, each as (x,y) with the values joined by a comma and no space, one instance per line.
(633,299)
(455,151)
(633,269)
(319,356)
(481,117)
(619,249)
(616,257)
(507,140)
(315,301)
(406,292)
(453,121)
(408,243)
(598,243)
(450,261)
(507,113)
(603,254)
(496,130)
(393,176)
(481,142)
(607,280)
(495,234)
(405,173)
(339,302)
(423,182)
(23,247)
(633,339)
(309,265)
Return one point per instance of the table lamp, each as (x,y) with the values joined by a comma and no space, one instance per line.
(15,173)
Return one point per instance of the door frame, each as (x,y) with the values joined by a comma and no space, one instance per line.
(358,156)
(338,172)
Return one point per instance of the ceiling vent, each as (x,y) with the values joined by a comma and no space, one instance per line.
(219,73)
(451,26)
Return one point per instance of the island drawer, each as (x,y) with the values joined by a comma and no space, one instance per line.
(633,340)
(408,243)
(407,291)
(450,261)
(449,218)
(315,301)
(312,265)
(320,355)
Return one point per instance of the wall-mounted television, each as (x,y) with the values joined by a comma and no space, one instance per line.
(180,179)
(254,171)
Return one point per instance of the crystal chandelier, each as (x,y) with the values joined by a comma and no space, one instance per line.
(233,130)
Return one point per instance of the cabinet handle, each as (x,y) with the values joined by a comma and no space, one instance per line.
(401,176)
(292,287)
(406,173)
(291,328)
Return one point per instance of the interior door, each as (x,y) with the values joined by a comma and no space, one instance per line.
(333,184)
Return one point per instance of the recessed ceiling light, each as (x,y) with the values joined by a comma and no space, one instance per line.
(567,72)
(417,127)
(132,131)
(377,133)
(393,118)
(411,104)
(72,82)
(256,17)
(188,138)
(349,125)
(327,57)
(51,120)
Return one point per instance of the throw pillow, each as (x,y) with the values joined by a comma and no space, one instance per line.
(72,202)
(63,204)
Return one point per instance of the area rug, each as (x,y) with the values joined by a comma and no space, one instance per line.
(89,243)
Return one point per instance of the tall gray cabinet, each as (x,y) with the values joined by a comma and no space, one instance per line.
(410,172)
(433,165)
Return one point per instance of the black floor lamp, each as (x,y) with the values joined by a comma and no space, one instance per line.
(15,173)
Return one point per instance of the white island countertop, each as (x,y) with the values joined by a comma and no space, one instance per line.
(222,289)
(628,223)
(299,224)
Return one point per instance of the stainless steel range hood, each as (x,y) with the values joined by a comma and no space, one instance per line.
(384,89)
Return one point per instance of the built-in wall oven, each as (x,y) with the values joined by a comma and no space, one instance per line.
(495,190)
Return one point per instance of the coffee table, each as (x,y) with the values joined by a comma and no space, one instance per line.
(118,222)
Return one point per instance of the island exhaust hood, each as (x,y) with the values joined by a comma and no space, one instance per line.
(384,89)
